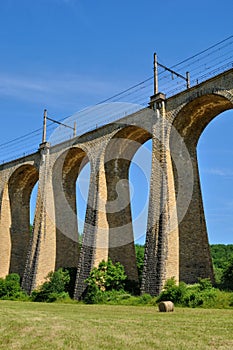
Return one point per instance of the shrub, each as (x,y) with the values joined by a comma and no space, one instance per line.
(54,288)
(173,292)
(204,284)
(231,300)
(107,277)
(196,295)
(94,295)
(145,299)
(10,288)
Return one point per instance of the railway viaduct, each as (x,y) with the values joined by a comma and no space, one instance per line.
(176,238)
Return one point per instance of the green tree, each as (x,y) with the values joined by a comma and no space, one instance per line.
(140,250)
(221,254)
(227,276)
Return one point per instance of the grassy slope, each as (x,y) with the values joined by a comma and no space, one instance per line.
(76,326)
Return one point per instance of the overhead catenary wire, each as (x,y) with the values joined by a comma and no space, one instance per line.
(204,64)
(201,52)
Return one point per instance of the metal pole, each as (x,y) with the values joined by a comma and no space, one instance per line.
(75,129)
(156,89)
(44,126)
(188,79)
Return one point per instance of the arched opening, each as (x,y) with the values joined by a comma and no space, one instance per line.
(66,171)
(82,187)
(20,186)
(215,153)
(194,257)
(120,215)
(139,178)
(33,200)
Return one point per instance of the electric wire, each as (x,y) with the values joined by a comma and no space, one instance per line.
(207,63)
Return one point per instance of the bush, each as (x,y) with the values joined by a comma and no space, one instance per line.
(54,288)
(173,292)
(145,299)
(204,284)
(199,294)
(94,295)
(107,277)
(10,288)
(196,296)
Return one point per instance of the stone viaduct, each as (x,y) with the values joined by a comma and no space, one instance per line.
(176,238)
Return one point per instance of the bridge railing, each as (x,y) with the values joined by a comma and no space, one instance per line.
(201,66)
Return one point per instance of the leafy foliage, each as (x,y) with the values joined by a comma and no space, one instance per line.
(107,277)
(54,288)
(221,254)
(140,250)
(10,288)
(227,276)
(173,292)
(199,294)
(70,285)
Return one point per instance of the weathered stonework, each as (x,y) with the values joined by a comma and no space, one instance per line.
(176,240)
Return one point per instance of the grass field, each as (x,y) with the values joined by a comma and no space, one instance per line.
(81,327)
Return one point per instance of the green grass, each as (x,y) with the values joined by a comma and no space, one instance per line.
(25,325)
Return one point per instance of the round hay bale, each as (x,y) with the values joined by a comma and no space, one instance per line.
(166,306)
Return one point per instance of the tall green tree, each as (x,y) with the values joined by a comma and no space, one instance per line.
(227,276)
(140,250)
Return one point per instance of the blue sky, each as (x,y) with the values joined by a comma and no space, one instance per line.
(65,55)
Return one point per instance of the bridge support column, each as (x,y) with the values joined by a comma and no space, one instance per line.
(95,234)
(161,260)
(42,252)
(121,238)
(67,236)
(5,239)
(195,258)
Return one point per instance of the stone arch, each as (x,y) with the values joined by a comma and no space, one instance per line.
(20,186)
(190,122)
(65,173)
(118,156)
(193,118)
